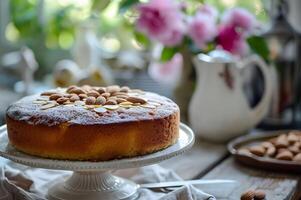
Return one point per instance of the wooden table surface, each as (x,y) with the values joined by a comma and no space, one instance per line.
(212,161)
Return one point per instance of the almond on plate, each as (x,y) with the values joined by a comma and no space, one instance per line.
(285,155)
(257,150)
(281,141)
(297,157)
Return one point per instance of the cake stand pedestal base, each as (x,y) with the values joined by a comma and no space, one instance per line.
(98,185)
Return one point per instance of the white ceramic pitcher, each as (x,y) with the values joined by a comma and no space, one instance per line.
(219,110)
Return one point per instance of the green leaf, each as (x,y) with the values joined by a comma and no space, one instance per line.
(142,39)
(259,46)
(100,5)
(167,53)
(126,4)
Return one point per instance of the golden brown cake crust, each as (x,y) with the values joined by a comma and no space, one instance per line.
(77,132)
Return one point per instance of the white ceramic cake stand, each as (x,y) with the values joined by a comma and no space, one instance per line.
(93,180)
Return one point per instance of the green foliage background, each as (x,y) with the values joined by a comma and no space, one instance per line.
(52,36)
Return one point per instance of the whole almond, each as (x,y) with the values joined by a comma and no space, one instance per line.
(259,195)
(297,157)
(281,142)
(62,100)
(292,138)
(55,96)
(90,100)
(70,88)
(106,94)
(111,102)
(77,91)
(82,96)
(257,150)
(120,100)
(294,149)
(100,100)
(113,88)
(93,94)
(248,195)
(101,90)
(271,151)
(48,93)
(285,155)
(136,100)
(74,98)
(267,144)
(124,89)
(86,88)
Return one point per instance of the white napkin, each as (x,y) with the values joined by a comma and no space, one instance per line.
(18,182)
(156,173)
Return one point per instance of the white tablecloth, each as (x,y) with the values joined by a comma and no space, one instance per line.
(19,182)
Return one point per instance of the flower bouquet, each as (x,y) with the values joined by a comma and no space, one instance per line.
(184,32)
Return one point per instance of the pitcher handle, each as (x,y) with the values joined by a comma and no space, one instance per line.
(258,112)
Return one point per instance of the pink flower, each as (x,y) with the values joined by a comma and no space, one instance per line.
(173,38)
(208,10)
(202,29)
(232,40)
(161,20)
(239,17)
(167,73)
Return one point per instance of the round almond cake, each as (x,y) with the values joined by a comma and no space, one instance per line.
(92,123)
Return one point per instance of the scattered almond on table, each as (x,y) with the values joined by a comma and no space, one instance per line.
(248,195)
(283,147)
(251,194)
(259,195)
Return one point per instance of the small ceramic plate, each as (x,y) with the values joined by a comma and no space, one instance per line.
(261,162)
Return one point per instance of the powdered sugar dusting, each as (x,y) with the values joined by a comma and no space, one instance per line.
(26,110)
